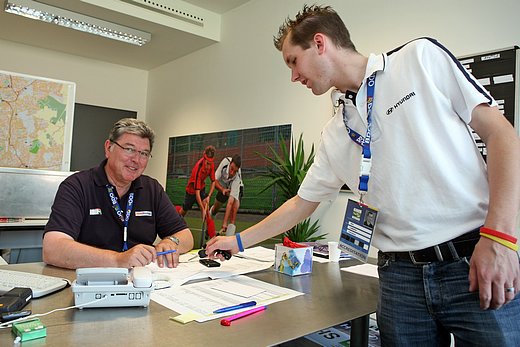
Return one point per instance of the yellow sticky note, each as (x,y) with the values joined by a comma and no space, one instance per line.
(186,318)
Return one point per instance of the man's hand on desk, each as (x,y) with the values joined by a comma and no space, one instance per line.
(139,255)
(171,260)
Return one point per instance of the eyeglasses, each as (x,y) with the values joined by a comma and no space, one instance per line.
(129,151)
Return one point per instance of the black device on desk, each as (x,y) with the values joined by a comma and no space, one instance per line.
(209,262)
(15,299)
(9,316)
(225,254)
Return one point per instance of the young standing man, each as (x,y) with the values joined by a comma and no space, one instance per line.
(406,116)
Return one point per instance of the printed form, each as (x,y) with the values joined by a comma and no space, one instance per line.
(197,301)
(189,268)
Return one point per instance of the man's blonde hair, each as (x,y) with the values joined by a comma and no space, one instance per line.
(310,21)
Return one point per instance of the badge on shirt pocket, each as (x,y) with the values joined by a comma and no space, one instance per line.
(95,212)
(143,213)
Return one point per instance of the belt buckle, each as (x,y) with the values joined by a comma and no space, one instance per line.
(438,254)
(416,262)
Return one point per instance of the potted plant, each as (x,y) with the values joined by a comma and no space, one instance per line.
(287,174)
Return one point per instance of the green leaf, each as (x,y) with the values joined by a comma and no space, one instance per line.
(305,232)
(287,173)
(289,168)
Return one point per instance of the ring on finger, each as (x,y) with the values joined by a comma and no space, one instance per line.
(510,290)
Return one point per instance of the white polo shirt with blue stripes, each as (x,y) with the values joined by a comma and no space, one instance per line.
(428,178)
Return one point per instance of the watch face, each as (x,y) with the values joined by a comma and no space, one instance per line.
(174,239)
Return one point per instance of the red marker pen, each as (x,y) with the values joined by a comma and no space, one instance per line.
(227,321)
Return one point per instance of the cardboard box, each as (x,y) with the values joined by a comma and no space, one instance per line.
(293,261)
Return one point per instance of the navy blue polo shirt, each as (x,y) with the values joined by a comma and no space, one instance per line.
(83,210)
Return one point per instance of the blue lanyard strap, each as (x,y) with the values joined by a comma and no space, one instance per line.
(364,141)
(119,212)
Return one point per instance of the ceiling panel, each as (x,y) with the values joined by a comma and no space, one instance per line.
(167,43)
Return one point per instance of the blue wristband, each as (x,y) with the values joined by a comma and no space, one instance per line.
(239,241)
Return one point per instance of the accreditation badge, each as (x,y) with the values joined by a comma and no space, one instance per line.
(357,230)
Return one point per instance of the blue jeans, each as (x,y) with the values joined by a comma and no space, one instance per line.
(420,305)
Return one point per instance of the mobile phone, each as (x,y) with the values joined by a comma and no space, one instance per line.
(209,262)
(8,316)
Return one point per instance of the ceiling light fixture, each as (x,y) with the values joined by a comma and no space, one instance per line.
(50,14)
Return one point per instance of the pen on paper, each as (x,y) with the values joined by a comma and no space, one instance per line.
(195,256)
(235,307)
(227,321)
(166,252)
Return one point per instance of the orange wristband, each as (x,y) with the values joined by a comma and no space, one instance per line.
(498,234)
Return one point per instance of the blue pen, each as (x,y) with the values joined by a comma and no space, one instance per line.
(235,307)
(166,252)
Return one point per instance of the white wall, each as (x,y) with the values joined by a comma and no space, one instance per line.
(242,81)
(97,83)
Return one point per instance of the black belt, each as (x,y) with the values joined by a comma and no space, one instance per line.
(455,249)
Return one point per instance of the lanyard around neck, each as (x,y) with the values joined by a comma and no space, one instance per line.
(119,212)
(364,141)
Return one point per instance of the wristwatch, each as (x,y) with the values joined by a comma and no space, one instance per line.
(174,240)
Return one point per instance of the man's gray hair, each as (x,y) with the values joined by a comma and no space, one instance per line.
(132,126)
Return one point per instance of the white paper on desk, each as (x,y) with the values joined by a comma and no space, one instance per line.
(232,267)
(258,253)
(242,290)
(175,276)
(201,300)
(326,260)
(188,270)
(364,269)
(320,259)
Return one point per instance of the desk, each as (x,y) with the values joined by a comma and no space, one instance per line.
(331,297)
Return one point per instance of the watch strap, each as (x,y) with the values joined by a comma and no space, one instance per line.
(174,240)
